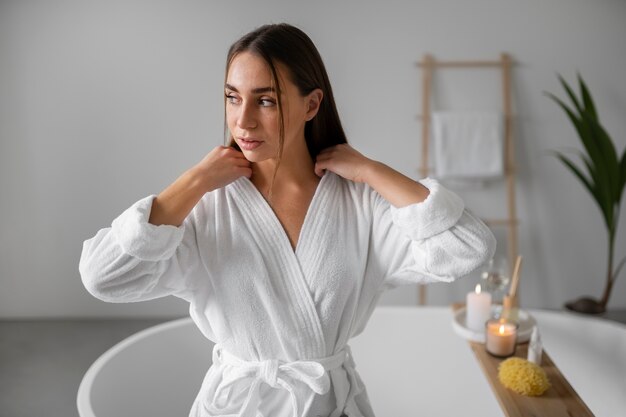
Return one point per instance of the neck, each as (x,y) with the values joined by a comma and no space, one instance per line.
(296,170)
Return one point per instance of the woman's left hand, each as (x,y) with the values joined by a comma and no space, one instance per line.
(344,161)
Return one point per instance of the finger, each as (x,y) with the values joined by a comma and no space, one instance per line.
(319,170)
(229,149)
(234,152)
(325,157)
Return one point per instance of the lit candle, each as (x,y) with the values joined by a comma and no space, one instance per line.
(501,337)
(478,309)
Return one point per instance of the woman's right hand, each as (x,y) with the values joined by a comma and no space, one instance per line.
(221,166)
(217,169)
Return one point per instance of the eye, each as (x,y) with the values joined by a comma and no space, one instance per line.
(231,98)
(267,102)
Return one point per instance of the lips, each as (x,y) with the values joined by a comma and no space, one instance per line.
(249,143)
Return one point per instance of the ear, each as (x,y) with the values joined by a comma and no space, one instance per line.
(313,101)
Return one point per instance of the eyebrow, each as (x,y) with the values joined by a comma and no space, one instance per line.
(259,90)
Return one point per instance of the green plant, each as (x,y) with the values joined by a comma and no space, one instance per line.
(603,174)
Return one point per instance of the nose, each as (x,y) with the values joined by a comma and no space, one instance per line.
(246,118)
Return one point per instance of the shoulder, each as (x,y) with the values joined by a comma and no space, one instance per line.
(357,194)
(214,202)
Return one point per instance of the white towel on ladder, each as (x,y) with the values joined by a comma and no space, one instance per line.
(468,145)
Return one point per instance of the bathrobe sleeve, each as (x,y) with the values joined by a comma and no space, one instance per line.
(432,241)
(134,260)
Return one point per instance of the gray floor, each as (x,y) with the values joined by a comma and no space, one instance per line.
(43,362)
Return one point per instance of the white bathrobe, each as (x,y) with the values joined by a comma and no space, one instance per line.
(281,319)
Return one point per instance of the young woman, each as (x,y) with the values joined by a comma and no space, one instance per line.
(283,241)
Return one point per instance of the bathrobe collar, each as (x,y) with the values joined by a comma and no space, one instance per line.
(297,267)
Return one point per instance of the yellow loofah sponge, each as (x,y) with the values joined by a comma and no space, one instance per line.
(523,377)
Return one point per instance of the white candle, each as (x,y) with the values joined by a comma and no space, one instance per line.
(478,306)
(501,338)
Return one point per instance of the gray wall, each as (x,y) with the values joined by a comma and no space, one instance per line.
(103,103)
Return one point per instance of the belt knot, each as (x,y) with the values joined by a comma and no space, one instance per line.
(277,374)
(269,372)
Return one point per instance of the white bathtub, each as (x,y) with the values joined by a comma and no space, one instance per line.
(409,358)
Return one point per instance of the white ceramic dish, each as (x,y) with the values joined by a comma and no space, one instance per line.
(526,323)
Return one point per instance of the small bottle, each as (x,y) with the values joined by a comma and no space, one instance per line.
(535,347)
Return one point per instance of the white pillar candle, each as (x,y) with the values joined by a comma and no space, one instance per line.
(501,338)
(478,309)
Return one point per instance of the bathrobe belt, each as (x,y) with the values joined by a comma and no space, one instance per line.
(280,374)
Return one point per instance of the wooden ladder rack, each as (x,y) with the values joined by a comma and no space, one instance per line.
(428,64)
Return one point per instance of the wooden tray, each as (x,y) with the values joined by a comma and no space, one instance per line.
(559,401)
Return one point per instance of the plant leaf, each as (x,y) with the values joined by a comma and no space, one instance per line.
(590,107)
(595,191)
(598,197)
(590,168)
(610,161)
(575,170)
(591,174)
(607,174)
(571,94)
(582,130)
(602,154)
(622,169)
(601,172)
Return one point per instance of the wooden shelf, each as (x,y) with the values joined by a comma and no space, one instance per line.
(561,400)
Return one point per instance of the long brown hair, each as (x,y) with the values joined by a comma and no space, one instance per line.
(292,47)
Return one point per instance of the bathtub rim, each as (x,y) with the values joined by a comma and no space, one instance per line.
(83,396)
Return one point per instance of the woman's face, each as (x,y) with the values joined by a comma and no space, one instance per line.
(252,111)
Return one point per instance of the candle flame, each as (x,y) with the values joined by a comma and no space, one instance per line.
(477,289)
(501,329)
